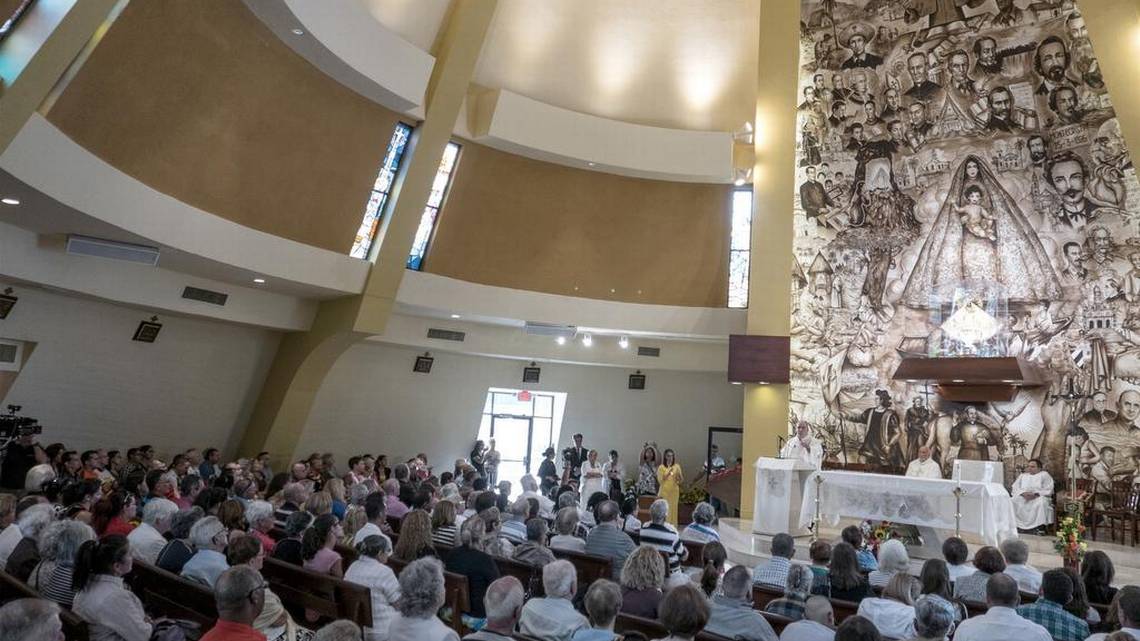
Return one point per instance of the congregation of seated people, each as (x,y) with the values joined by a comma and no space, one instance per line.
(80,528)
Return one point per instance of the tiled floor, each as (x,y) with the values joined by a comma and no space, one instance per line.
(749,549)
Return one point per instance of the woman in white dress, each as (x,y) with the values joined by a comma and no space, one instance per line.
(593,478)
(613,471)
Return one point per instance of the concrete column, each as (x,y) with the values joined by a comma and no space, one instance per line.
(304,359)
(773,180)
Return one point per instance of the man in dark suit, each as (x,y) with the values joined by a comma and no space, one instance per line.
(856,37)
(921,89)
(1001,107)
(576,459)
(813,197)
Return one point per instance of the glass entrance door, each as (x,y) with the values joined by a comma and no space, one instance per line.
(512,436)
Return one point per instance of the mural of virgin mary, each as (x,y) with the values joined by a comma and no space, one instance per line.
(986,239)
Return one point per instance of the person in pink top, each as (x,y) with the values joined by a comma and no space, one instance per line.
(317,546)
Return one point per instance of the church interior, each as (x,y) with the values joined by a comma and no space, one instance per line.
(815,263)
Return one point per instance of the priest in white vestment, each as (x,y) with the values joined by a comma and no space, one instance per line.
(924,466)
(1033,497)
(803,447)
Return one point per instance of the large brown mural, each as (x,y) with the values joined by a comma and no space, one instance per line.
(964,156)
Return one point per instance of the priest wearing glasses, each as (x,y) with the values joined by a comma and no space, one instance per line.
(803,447)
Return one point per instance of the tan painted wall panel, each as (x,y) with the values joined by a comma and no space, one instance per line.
(197,99)
(515,222)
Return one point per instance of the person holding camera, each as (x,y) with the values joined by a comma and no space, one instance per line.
(22,453)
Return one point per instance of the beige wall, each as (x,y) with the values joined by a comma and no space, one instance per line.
(197,99)
(515,222)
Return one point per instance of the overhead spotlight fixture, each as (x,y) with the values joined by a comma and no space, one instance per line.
(587,339)
(623,342)
(456,316)
(591,164)
(259,281)
(10,201)
(737,383)
(561,340)
(298,32)
(739,182)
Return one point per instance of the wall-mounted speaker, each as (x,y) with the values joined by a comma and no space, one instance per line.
(531,373)
(423,363)
(7,302)
(637,381)
(147,331)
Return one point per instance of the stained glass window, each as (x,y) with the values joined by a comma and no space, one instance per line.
(740,248)
(374,209)
(435,201)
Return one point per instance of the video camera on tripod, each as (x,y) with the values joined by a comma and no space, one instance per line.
(14,426)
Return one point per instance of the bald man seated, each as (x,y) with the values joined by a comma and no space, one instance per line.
(924,466)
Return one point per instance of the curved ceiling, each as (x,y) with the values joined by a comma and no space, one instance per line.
(666,63)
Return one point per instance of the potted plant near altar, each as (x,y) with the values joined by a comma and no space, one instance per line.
(1070,542)
(688,499)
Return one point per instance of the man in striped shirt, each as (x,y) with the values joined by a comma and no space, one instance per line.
(664,537)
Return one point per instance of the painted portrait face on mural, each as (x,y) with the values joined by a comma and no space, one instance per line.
(970,145)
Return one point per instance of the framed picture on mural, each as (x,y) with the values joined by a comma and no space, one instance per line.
(953,147)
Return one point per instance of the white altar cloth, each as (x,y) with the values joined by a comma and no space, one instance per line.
(987,509)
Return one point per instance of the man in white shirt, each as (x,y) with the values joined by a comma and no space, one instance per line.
(1032,497)
(803,447)
(374,505)
(818,623)
(924,466)
(956,553)
(530,491)
(1001,622)
(146,540)
(1129,613)
(1016,553)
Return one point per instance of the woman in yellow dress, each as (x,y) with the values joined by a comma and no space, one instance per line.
(669,478)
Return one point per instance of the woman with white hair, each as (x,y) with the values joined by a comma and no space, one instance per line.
(147,539)
(259,516)
(26,555)
(701,529)
(370,569)
(58,547)
(893,613)
(421,596)
(893,559)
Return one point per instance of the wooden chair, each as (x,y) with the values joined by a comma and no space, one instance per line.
(590,567)
(167,594)
(1122,510)
(11,588)
(763,594)
(326,595)
(1090,516)
(457,593)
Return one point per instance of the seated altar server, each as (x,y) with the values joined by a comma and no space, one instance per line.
(803,447)
(924,466)
(1032,497)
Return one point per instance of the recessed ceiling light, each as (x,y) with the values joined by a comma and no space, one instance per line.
(10,201)
(259,281)
(456,316)
(739,182)
(587,340)
(561,340)
(298,32)
(737,383)
(591,164)
(623,342)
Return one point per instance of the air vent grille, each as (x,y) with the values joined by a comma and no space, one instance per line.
(103,248)
(8,352)
(550,329)
(446,335)
(648,351)
(205,296)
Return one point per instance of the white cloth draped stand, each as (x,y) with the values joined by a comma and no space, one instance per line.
(987,510)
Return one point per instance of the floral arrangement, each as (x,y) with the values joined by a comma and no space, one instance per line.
(1070,543)
(875,534)
(692,494)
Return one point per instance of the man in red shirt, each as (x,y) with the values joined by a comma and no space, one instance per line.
(240,593)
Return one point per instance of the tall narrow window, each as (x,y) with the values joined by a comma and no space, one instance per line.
(380,190)
(435,201)
(740,248)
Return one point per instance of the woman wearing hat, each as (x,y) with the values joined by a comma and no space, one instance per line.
(548,472)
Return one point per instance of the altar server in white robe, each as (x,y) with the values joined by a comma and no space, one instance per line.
(924,466)
(803,447)
(1032,497)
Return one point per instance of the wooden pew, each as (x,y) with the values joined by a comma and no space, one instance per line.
(654,630)
(457,593)
(529,575)
(762,595)
(590,567)
(11,588)
(696,552)
(170,595)
(327,595)
(843,609)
